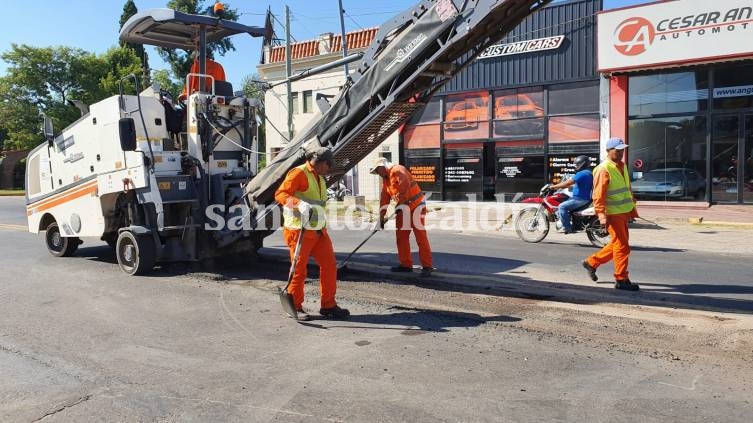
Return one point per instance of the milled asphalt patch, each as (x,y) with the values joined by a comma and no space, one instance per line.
(520,287)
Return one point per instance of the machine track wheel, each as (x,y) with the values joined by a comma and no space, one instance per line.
(57,244)
(136,253)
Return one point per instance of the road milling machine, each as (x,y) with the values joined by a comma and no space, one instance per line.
(160,184)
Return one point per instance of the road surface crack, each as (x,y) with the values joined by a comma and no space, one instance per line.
(64,407)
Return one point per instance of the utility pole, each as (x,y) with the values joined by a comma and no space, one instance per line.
(288,72)
(342,35)
(353,173)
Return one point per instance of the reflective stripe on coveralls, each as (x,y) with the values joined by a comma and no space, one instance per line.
(313,196)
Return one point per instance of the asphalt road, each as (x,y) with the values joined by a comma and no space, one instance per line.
(81,341)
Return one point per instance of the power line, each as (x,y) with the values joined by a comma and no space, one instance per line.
(352,20)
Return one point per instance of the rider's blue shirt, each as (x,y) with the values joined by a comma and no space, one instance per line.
(584,183)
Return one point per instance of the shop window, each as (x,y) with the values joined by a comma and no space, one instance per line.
(574,98)
(667,158)
(519,129)
(733,87)
(572,129)
(430,113)
(308,102)
(518,114)
(463,172)
(467,116)
(677,92)
(519,176)
(421,136)
(518,104)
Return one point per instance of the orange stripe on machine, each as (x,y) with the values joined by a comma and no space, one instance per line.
(65,196)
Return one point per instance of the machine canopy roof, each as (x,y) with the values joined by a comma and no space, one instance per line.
(172,29)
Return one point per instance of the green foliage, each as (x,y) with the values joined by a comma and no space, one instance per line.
(180,60)
(129,9)
(254,87)
(166,83)
(43,80)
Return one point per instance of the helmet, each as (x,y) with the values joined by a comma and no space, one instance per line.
(581,162)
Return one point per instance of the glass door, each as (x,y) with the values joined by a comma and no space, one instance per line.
(732,158)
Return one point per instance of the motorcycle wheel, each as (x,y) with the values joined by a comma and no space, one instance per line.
(597,234)
(532,224)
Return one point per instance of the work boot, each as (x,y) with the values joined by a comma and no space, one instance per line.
(591,270)
(426,272)
(626,285)
(401,269)
(302,316)
(337,312)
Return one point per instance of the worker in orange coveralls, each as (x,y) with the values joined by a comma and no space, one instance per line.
(398,185)
(303,195)
(213,69)
(614,205)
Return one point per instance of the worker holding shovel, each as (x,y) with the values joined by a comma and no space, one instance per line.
(303,195)
(410,208)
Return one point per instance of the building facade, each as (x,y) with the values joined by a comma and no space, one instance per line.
(306,55)
(681,94)
(517,116)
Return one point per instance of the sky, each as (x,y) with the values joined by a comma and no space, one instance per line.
(92,25)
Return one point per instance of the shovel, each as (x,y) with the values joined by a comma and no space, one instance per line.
(286,300)
(344,262)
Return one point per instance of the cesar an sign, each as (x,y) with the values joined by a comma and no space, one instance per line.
(674,32)
(528,46)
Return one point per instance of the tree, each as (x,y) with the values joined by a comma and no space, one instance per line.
(43,80)
(162,77)
(129,9)
(254,87)
(180,60)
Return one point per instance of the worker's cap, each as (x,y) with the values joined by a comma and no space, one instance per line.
(320,154)
(616,143)
(380,162)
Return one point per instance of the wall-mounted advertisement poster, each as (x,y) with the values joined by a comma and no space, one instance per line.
(467,116)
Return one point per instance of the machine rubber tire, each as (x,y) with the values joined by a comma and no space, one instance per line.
(597,234)
(532,228)
(58,245)
(136,253)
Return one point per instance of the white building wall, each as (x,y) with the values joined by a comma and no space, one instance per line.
(329,83)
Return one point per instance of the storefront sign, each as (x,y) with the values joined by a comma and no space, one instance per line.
(674,33)
(529,46)
(424,174)
(464,170)
(739,91)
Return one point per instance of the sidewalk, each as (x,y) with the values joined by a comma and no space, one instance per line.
(739,216)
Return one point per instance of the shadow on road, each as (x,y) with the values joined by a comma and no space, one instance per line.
(411,321)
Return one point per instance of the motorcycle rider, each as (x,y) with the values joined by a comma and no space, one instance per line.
(582,184)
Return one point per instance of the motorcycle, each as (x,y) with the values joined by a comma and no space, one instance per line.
(338,191)
(532,223)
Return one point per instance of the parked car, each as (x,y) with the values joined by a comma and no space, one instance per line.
(671,183)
